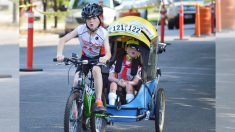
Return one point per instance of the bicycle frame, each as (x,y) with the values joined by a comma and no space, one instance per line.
(87,92)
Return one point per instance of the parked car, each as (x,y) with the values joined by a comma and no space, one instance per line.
(189,12)
(75,18)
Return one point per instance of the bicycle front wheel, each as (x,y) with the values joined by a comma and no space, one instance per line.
(73,117)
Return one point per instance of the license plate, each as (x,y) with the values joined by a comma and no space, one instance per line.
(132,29)
(188,16)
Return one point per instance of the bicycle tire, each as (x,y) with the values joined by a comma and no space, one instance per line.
(94,119)
(160,108)
(72,102)
(95,127)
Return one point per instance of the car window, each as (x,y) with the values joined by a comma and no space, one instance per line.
(81,3)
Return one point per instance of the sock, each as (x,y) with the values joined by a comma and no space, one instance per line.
(129,97)
(112,98)
(98,99)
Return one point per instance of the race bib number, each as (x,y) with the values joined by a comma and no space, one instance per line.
(132,29)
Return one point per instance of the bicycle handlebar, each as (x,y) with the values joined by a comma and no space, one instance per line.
(77,61)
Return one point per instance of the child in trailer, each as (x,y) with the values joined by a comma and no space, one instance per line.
(125,72)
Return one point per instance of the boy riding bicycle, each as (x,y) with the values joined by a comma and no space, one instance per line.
(95,45)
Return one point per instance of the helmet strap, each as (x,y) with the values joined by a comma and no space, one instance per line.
(128,57)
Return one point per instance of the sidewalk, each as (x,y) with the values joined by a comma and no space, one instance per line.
(49,37)
(9,34)
(173,35)
(44,39)
(8,30)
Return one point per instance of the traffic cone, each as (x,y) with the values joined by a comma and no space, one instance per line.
(197,22)
(181,21)
(30,42)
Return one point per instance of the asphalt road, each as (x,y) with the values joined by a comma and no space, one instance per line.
(188,77)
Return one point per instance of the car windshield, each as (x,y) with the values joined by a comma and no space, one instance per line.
(81,3)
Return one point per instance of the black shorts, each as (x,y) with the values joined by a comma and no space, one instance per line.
(86,68)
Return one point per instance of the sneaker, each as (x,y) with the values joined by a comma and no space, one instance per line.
(99,107)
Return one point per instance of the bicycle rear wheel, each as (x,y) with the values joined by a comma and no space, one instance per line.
(160,108)
(73,117)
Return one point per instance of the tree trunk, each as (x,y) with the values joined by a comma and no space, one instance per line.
(44,16)
(56,17)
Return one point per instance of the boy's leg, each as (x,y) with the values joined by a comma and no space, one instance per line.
(129,93)
(85,68)
(98,83)
(112,94)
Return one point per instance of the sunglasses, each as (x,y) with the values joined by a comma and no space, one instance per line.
(134,47)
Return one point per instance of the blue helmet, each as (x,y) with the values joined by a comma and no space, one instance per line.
(91,10)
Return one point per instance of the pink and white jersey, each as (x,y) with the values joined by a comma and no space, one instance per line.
(125,73)
(91,44)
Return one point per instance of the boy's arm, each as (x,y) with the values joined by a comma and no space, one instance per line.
(62,41)
(107,51)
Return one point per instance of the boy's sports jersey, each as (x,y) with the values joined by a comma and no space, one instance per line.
(91,44)
(125,72)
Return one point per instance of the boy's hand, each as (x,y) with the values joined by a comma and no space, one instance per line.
(60,58)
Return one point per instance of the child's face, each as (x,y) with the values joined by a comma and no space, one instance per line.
(93,22)
(132,52)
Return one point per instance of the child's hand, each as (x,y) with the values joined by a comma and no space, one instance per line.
(122,83)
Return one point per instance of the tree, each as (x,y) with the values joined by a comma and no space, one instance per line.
(56,17)
(44,2)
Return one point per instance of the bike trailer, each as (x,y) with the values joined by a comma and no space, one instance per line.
(136,109)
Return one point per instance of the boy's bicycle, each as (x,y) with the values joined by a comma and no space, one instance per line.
(79,113)
(149,102)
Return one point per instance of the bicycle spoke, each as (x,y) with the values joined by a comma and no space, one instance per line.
(75,117)
(98,124)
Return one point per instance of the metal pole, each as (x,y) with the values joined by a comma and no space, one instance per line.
(163,11)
